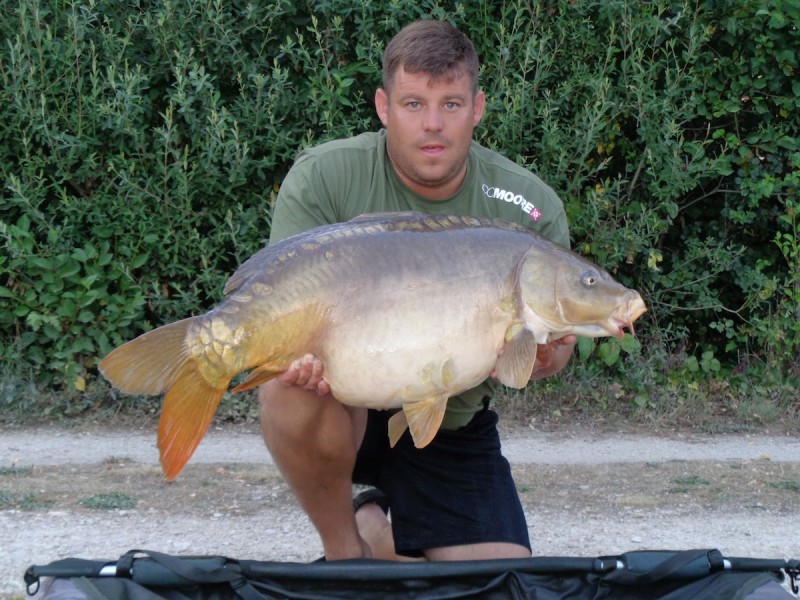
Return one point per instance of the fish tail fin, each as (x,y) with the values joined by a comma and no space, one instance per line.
(187,411)
(149,364)
(157,362)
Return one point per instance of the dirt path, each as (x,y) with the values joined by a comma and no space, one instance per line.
(97,494)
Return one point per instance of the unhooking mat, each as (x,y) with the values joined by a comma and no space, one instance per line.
(646,575)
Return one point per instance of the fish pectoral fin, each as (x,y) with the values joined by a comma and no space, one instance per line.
(423,418)
(515,364)
(261,374)
(187,411)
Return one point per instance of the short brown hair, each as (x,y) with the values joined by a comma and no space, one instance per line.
(433,47)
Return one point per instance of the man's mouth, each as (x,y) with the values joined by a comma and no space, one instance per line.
(432,150)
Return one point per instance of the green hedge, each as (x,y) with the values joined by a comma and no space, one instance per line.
(142,143)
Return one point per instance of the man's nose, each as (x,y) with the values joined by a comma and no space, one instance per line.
(433,120)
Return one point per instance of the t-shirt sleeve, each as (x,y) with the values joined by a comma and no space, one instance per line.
(556,227)
(303,202)
(547,217)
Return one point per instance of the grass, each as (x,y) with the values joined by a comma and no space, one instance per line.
(791,485)
(113,501)
(15,471)
(27,502)
(691,480)
(689,483)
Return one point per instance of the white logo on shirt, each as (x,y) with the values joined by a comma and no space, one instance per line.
(512,198)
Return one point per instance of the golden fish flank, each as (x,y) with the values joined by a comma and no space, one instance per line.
(214,342)
(403,309)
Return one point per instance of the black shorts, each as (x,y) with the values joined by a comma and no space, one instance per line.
(457,490)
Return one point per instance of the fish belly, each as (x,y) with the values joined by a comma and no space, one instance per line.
(411,350)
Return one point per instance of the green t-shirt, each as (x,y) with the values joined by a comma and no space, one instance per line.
(340,180)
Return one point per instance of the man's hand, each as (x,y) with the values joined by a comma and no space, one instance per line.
(552,357)
(306,373)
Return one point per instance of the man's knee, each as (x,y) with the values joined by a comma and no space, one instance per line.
(268,394)
(273,410)
(292,416)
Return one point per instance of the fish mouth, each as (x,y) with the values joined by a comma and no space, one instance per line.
(623,319)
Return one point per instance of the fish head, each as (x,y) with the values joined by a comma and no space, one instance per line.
(567,294)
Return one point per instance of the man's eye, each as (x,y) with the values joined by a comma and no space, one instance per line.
(413,105)
(451,105)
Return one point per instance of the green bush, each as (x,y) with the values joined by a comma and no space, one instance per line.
(141,146)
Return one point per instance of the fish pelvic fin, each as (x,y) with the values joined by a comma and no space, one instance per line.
(515,364)
(423,419)
(149,364)
(262,374)
(187,411)
(398,423)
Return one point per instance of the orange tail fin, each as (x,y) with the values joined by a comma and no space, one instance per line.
(186,414)
(149,364)
(158,362)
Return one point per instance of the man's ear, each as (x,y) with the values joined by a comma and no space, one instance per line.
(382,105)
(479,105)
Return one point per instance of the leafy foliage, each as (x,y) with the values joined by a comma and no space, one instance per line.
(141,146)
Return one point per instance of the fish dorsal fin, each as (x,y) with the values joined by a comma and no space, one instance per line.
(423,419)
(384,215)
(515,364)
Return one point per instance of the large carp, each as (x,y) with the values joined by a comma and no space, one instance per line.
(403,309)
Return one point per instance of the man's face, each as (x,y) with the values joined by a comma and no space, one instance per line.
(429,126)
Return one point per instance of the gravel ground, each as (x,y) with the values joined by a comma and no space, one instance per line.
(584,495)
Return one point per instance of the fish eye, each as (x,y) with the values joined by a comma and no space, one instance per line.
(589,277)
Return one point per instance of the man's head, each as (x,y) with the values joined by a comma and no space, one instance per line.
(435,48)
(430,105)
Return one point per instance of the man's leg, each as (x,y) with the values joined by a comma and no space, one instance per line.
(314,440)
(486,551)
(375,528)
(455,499)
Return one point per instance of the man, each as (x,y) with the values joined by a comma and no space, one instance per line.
(454,499)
